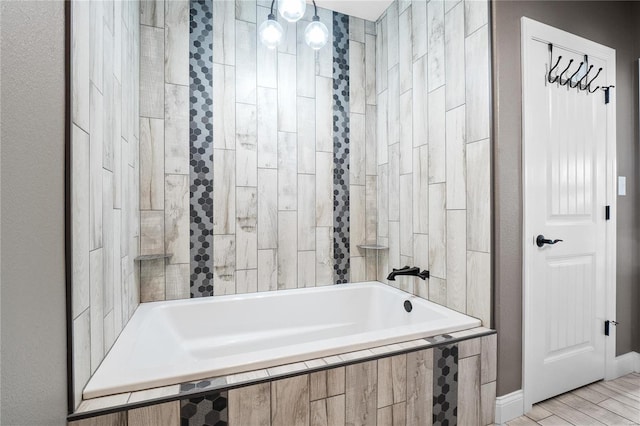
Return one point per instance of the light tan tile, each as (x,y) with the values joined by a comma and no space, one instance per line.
(324,189)
(419,387)
(488,403)
(307,212)
(224,102)
(307,268)
(224,30)
(250,405)
(152,280)
(290,401)
(328,412)
(115,419)
(267,270)
(469,347)
(317,385)
(177,281)
(455,157)
(287,369)
(151,164)
(81,353)
(336,381)
(224,259)
(246,145)
(151,72)
(456,252)
(392,380)
(167,414)
(477,83)
(247,376)
(154,393)
(152,13)
(357,223)
(361,389)
(324,255)
(437,231)
(224,174)
(287,250)
(478,196)
(176,220)
(454,21)
(489,358)
(437,136)
(469,391)
(246,232)
(152,231)
(176,129)
(246,281)
(479,286)
(176,42)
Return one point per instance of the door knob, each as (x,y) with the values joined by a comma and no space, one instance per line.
(541,241)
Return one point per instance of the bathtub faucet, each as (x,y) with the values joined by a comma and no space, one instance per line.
(408,271)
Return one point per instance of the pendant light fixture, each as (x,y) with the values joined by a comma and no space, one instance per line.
(271,31)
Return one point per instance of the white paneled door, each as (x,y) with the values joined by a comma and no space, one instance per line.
(567,135)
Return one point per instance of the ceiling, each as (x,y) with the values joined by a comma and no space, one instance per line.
(365,9)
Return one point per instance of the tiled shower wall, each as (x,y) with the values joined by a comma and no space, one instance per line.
(284,121)
(105,184)
(434,162)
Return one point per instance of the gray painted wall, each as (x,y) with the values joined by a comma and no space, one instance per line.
(33,372)
(606,22)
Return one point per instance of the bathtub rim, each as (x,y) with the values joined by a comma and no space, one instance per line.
(455,337)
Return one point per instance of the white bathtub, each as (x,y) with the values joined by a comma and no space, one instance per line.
(171,342)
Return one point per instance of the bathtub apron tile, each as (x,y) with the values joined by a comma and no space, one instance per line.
(250,405)
(361,393)
(469,391)
(210,410)
(290,401)
(392,379)
(445,385)
(420,369)
(167,414)
(115,419)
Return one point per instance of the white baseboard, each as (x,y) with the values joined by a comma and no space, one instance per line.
(509,406)
(624,364)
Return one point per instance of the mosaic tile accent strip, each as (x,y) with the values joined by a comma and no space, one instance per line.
(445,385)
(209,410)
(201,147)
(341,258)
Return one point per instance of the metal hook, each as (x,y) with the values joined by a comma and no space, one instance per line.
(578,84)
(587,87)
(572,75)
(553,68)
(592,91)
(565,70)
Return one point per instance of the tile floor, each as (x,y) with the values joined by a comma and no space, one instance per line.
(614,402)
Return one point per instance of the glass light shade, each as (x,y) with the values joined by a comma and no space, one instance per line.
(292,10)
(316,35)
(270,33)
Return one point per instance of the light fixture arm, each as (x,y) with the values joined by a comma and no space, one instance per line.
(271,15)
(315,11)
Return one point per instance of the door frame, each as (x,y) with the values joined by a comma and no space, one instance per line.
(537,30)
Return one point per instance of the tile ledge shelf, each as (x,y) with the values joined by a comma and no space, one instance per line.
(153,257)
(130,400)
(372,246)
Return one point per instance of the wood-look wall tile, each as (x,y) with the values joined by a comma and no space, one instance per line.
(419,29)
(267,270)
(392,380)
(306,269)
(167,414)
(381,54)
(328,412)
(419,103)
(476,15)
(356,29)
(357,77)
(177,279)
(176,219)
(224,175)
(357,271)
(245,62)
(382,130)
(437,231)
(357,149)
(488,358)
(224,102)
(126,199)
(246,281)
(114,419)
(371,209)
(421,250)
(324,114)
(80,231)
(469,347)
(267,110)
(176,129)
(96,40)
(95,164)
(151,164)
(318,385)
(393,415)
(488,403)
(246,11)
(152,13)
(117,276)
(435,44)
(80,72)
(152,280)
(287,250)
(108,111)
(420,187)
(176,42)
(371,148)
(287,171)
(469,391)
(224,33)
(224,259)
(478,196)
(437,290)
(369,27)
(394,182)
(406,133)
(324,57)
(406,215)
(394,249)
(246,145)
(250,405)
(306,135)
(405,54)
(151,72)
(151,232)
(324,255)
(477,84)
(81,353)
(383,200)
(479,286)
(324,189)
(267,208)
(306,212)
(287,93)
(455,154)
(393,105)
(290,401)
(246,224)
(370,69)
(361,390)
(117,152)
(419,387)
(305,63)
(267,59)
(96,264)
(456,259)
(436,135)
(454,56)
(392,32)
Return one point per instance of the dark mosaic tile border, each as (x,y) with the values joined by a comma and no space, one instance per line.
(445,385)
(341,263)
(209,410)
(201,146)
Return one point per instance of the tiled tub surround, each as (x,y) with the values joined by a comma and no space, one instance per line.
(163,343)
(433,159)
(270,170)
(418,382)
(105,178)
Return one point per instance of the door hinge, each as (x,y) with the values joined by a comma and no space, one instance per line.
(607,324)
(607,212)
